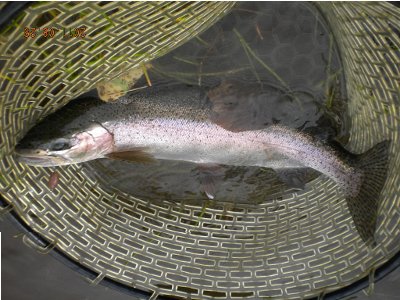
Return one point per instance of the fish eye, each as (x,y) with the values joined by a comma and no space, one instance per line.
(60,144)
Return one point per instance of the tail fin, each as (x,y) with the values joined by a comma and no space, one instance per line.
(364,207)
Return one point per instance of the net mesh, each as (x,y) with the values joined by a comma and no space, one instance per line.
(302,245)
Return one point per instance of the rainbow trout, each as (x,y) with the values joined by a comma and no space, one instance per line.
(177,123)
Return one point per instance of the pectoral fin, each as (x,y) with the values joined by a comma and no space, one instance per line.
(208,186)
(209,177)
(138,155)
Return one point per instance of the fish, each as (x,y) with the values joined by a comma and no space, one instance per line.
(176,123)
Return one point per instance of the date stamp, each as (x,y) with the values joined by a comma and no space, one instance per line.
(51,32)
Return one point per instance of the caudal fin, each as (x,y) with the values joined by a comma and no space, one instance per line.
(364,207)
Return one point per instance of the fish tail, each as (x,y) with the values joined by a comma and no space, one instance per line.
(364,206)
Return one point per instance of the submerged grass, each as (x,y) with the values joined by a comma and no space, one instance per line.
(119,57)
(246,51)
(131,90)
(371,284)
(330,97)
(259,60)
(186,76)
(29,88)
(108,19)
(203,42)
(329,89)
(251,54)
(202,212)
(7,78)
(185,61)
(146,74)
(141,54)
(15,23)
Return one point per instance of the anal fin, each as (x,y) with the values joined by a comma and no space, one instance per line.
(296,177)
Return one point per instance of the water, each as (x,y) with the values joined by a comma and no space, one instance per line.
(264,63)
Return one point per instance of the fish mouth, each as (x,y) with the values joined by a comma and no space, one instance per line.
(39,158)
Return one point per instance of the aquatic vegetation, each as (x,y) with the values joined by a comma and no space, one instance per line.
(252,53)
(146,74)
(14,24)
(111,22)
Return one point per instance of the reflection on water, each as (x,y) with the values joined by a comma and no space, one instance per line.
(181,181)
(263,64)
(250,106)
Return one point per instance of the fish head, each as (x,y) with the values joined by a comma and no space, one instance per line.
(46,147)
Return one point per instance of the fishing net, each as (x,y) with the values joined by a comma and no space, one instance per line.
(303,244)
